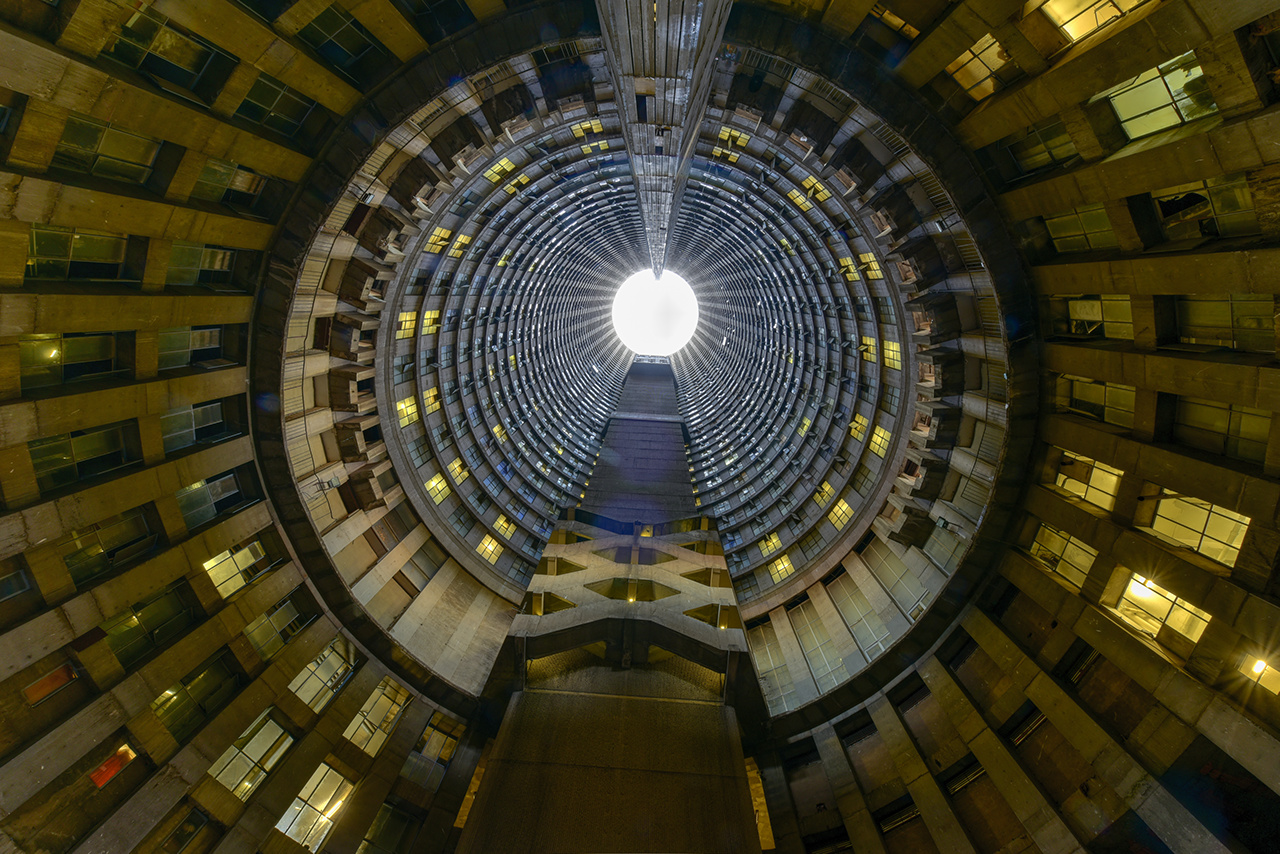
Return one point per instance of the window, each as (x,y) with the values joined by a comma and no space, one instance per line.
(114,764)
(275,106)
(892,397)
(348,46)
(780,569)
(1093,481)
(185,833)
(229,183)
(901,581)
(250,758)
(430,322)
(858,427)
(405,321)
(1213,531)
(489,549)
(164,52)
(111,544)
(1165,96)
(438,488)
(1228,429)
(893,355)
(819,650)
(983,69)
(205,500)
(880,441)
(462,521)
(868,348)
(1261,672)
(1064,554)
(377,719)
(310,818)
(431,400)
(136,632)
(406,411)
(1217,207)
(58,253)
(504,526)
(235,567)
(1081,230)
(191,345)
(1147,607)
(863,479)
(868,630)
(50,683)
(282,621)
(187,704)
(1239,321)
(1109,402)
(458,471)
(185,426)
(96,148)
(430,759)
(459,246)
(840,514)
(824,494)
(1079,18)
(322,679)
(800,200)
(870,265)
(61,461)
(391,832)
(1041,146)
(200,264)
(770,544)
(1106,316)
(775,679)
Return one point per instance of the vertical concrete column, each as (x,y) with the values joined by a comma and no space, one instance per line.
(233,93)
(437,830)
(777,797)
(1233,83)
(1029,804)
(376,784)
(858,823)
(1123,226)
(934,806)
(1163,813)
(1095,130)
(10,368)
(17,478)
(846,646)
(151,439)
(798,666)
(14,237)
(156,268)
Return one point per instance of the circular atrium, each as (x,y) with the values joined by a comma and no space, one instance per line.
(586,426)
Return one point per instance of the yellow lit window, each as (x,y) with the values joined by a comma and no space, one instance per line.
(840,514)
(431,399)
(1093,481)
(407,411)
(786,246)
(858,428)
(506,256)
(824,494)
(430,322)
(770,544)
(893,355)
(581,129)
(438,488)
(804,426)
(458,471)
(731,137)
(404,324)
(489,549)
(460,246)
(499,170)
(1147,607)
(800,199)
(868,348)
(1262,673)
(880,441)
(602,145)
(516,183)
(1212,530)
(725,153)
(781,568)
(438,240)
(815,190)
(872,266)
(505,526)
(500,432)
(850,270)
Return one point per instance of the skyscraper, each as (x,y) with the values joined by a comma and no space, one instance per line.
(337,517)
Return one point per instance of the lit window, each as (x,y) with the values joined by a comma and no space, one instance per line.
(427,763)
(982,69)
(824,494)
(430,322)
(849,269)
(1147,606)
(893,355)
(431,400)
(1101,401)
(458,471)
(516,183)
(858,427)
(871,265)
(1262,673)
(438,240)
(880,441)
(489,549)
(868,348)
(801,201)
(438,488)
(770,544)
(500,432)
(815,190)
(280,624)
(1093,481)
(459,246)
(505,526)
(499,170)
(1165,96)
(780,569)
(310,818)
(581,129)
(378,717)
(840,514)
(407,411)
(49,684)
(321,680)
(405,323)
(1213,531)
(804,426)
(1064,554)
(1079,18)
(114,764)
(234,568)
(246,763)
